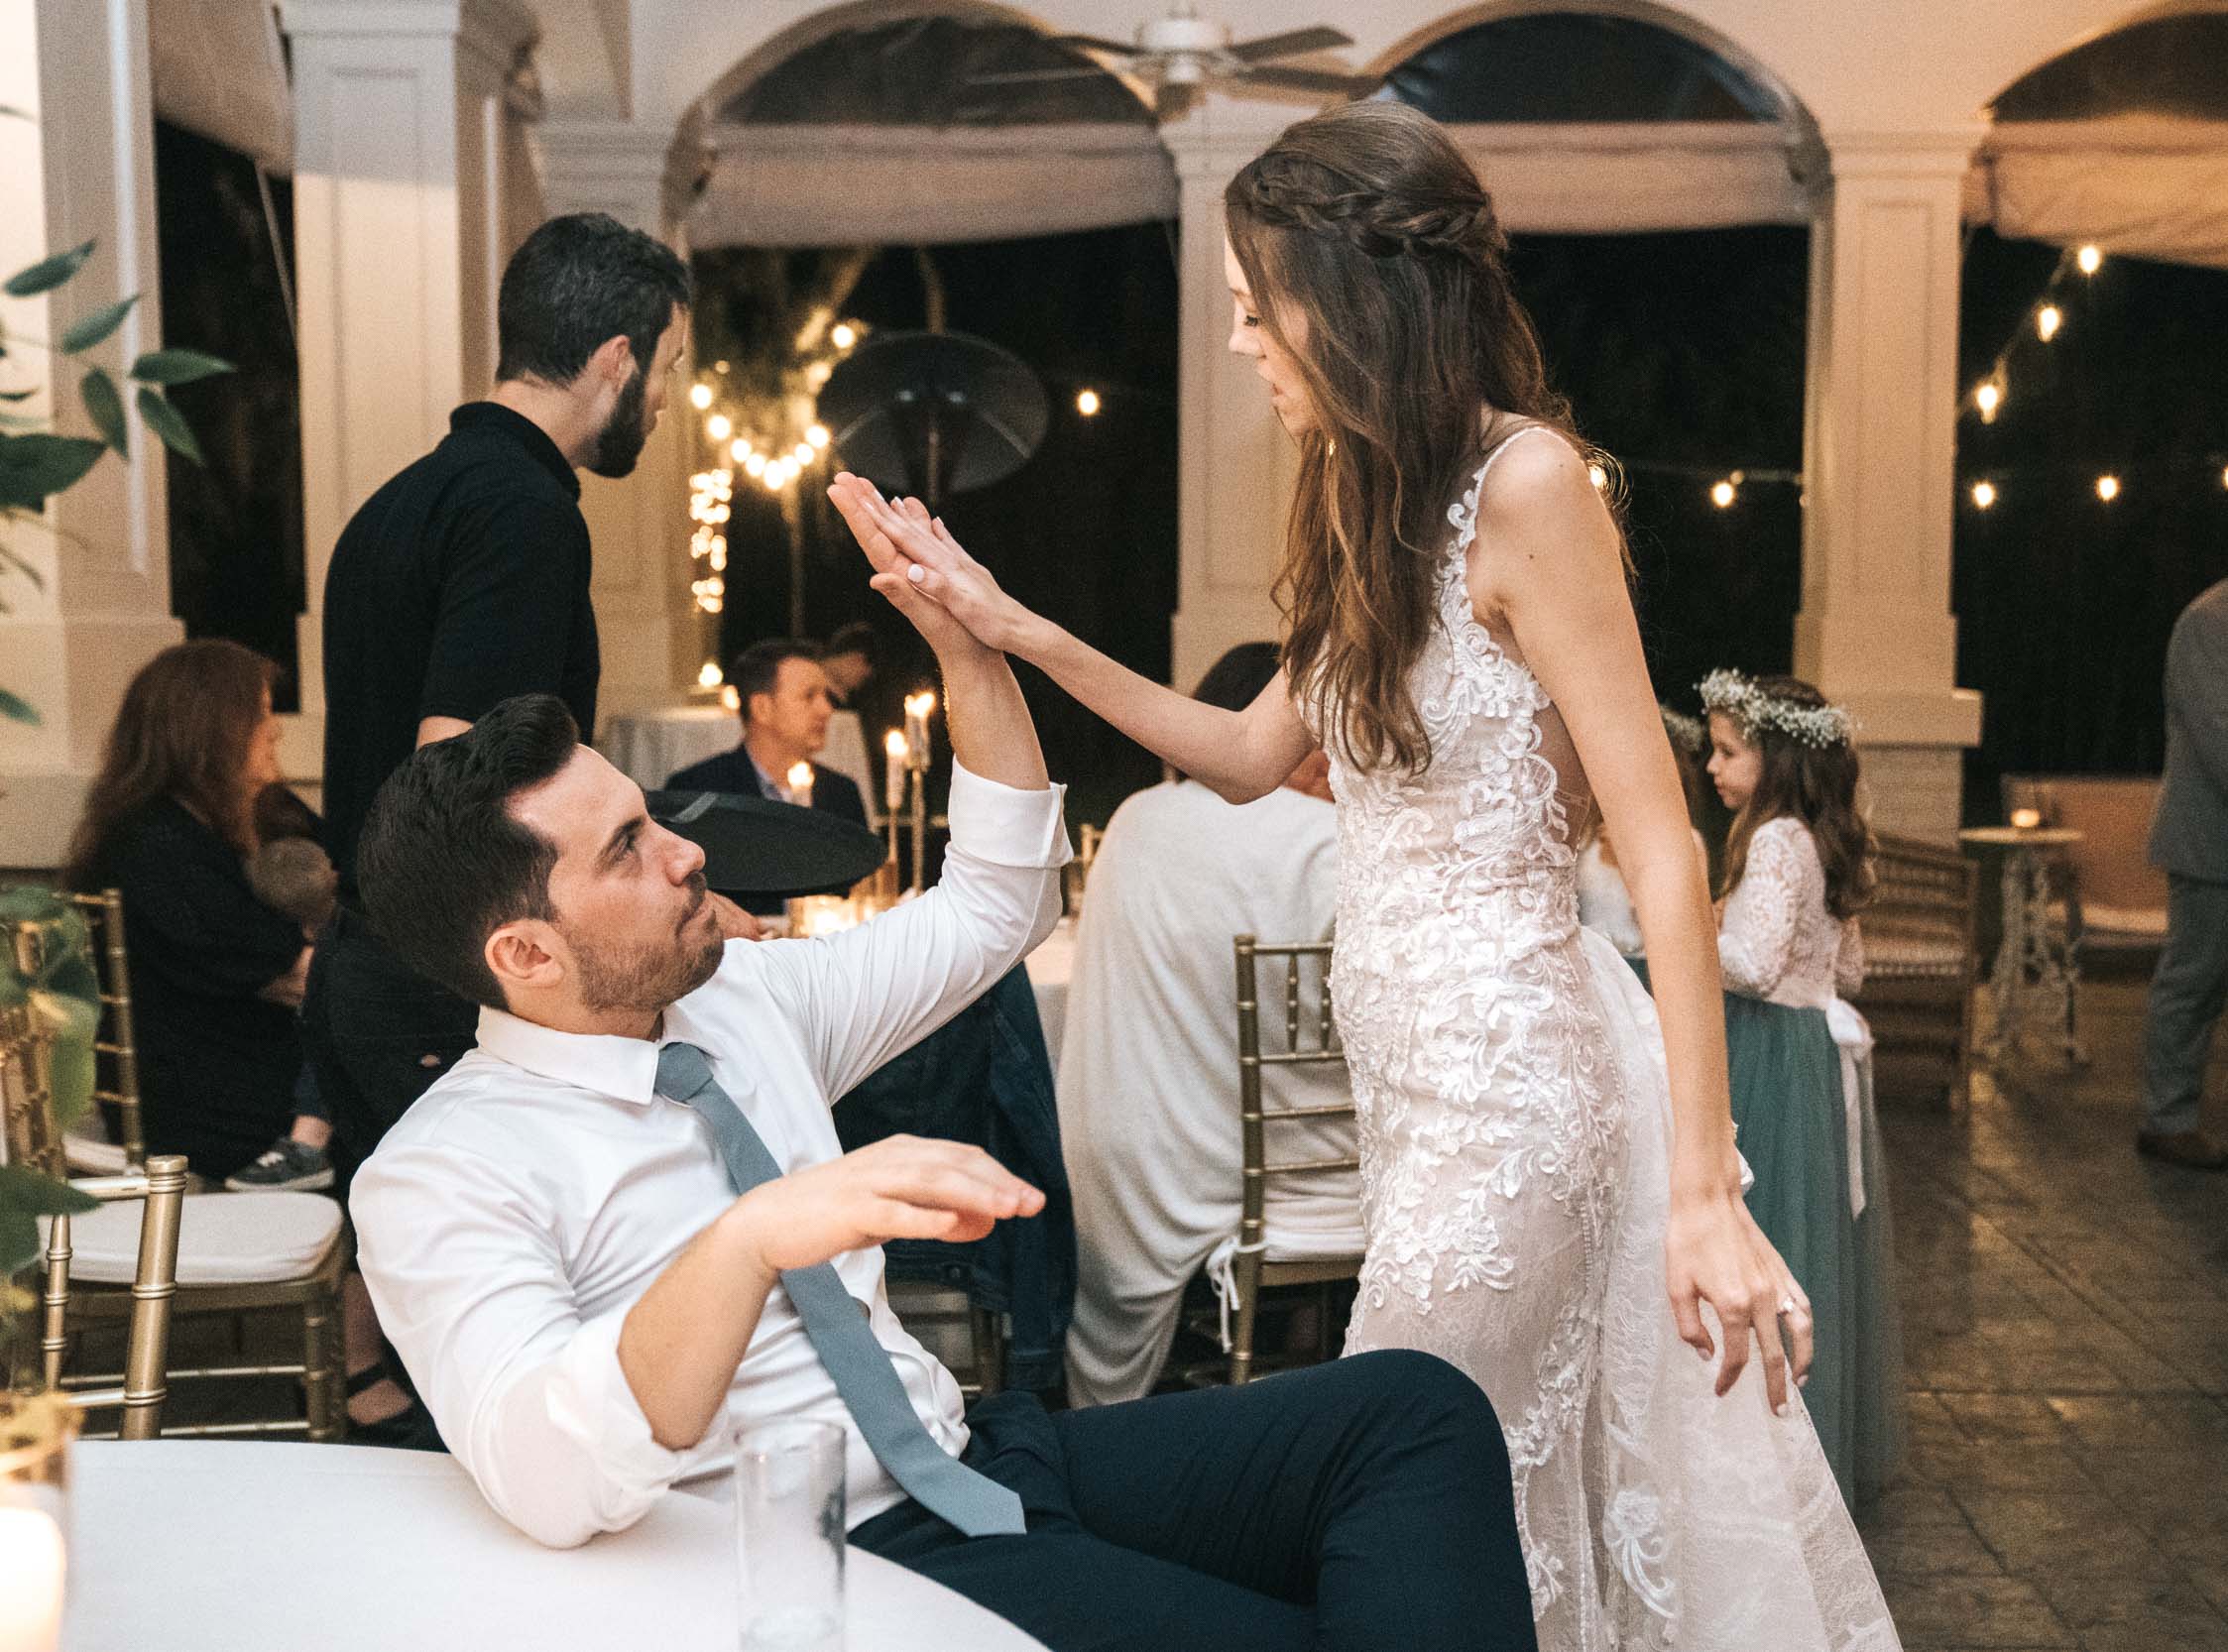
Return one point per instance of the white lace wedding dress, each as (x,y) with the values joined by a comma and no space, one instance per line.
(1515,1132)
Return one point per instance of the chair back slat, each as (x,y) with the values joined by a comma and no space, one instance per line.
(118,1049)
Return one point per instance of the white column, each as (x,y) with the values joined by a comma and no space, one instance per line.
(82,169)
(405,162)
(1235,466)
(652,636)
(1876,629)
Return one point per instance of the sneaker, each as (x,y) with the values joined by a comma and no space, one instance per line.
(286,1165)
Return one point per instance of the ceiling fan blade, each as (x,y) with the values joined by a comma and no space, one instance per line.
(1310,80)
(1288,45)
(1028,76)
(1095,42)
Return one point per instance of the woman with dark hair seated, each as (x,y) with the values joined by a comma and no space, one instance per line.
(215,974)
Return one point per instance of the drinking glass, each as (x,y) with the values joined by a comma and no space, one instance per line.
(788,1536)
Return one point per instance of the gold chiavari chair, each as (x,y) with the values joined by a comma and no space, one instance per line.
(90,1148)
(1311,1038)
(33,1140)
(238,1252)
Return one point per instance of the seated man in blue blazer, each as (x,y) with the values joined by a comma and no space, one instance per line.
(786,706)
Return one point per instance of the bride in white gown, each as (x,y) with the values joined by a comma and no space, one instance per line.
(1536,1172)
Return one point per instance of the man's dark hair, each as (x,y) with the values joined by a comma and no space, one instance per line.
(442,864)
(1236,681)
(577,280)
(856,638)
(757,667)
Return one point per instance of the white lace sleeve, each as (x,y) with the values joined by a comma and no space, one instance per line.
(1756,936)
(1848,963)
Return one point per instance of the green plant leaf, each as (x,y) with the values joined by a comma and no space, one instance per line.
(19,1241)
(8,556)
(24,1189)
(89,330)
(17,395)
(166,422)
(34,466)
(106,410)
(177,366)
(14,113)
(17,710)
(47,273)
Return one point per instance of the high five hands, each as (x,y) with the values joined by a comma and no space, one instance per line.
(925,572)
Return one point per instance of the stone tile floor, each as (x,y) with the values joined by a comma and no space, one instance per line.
(2066,1329)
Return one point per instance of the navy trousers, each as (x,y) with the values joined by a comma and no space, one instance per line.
(1364,1503)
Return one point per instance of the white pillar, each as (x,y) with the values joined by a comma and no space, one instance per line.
(82,169)
(1235,466)
(651,637)
(405,183)
(1876,630)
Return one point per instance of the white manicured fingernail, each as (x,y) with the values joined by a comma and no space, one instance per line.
(1780,1411)
(917,573)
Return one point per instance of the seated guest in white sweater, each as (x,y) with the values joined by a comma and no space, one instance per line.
(623,1227)
(1148,1062)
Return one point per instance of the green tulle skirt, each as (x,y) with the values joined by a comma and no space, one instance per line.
(1792,1127)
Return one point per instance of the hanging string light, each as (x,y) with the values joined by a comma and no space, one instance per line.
(2048,320)
(2090,258)
(1087,402)
(1984,494)
(1988,397)
(719,426)
(2108,488)
(700,396)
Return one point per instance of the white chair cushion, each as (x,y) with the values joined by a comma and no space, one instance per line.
(223,1238)
(89,1150)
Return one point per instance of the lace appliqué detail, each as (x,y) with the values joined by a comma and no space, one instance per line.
(1513,1130)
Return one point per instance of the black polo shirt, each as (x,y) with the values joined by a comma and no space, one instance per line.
(461,582)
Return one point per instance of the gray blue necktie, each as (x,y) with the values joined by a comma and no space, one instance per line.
(840,1334)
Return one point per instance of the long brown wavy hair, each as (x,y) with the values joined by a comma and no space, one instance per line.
(183,732)
(1816,784)
(1377,266)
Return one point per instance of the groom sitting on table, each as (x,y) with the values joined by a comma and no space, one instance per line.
(622,1228)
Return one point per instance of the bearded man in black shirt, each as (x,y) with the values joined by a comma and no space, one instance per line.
(464,581)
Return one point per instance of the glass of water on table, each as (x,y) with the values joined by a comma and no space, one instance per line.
(789,1536)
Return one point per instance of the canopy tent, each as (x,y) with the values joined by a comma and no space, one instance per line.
(2122,141)
(220,70)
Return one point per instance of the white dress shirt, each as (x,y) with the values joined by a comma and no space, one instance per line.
(511,1218)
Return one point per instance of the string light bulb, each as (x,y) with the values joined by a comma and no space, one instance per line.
(817,436)
(740,451)
(754,465)
(1984,494)
(802,454)
(1988,397)
(700,396)
(2224,477)
(732,697)
(843,335)
(817,374)
(719,426)
(710,676)
(1724,493)
(2090,258)
(2048,320)
(1087,402)
(2108,488)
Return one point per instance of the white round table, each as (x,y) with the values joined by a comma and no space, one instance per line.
(1050,968)
(235,1546)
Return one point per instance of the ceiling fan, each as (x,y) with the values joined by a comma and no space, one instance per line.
(1183,50)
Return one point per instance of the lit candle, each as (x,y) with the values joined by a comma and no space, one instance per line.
(895,751)
(31,1568)
(2027,819)
(917,708)
(800,784)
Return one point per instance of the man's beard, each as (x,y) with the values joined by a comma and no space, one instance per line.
(649,977)
(620,443)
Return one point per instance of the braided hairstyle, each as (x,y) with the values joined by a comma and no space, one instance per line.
(1378,268)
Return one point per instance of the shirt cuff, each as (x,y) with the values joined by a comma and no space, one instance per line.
(592,1403)
(1001,826)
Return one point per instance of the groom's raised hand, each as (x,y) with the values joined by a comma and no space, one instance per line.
(924,572)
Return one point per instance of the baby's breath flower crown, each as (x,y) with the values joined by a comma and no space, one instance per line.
(1739,698)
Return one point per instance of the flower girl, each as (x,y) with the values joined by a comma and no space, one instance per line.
(1797,869)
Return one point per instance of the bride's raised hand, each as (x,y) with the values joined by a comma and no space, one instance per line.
(1714,1253)
(905,542)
